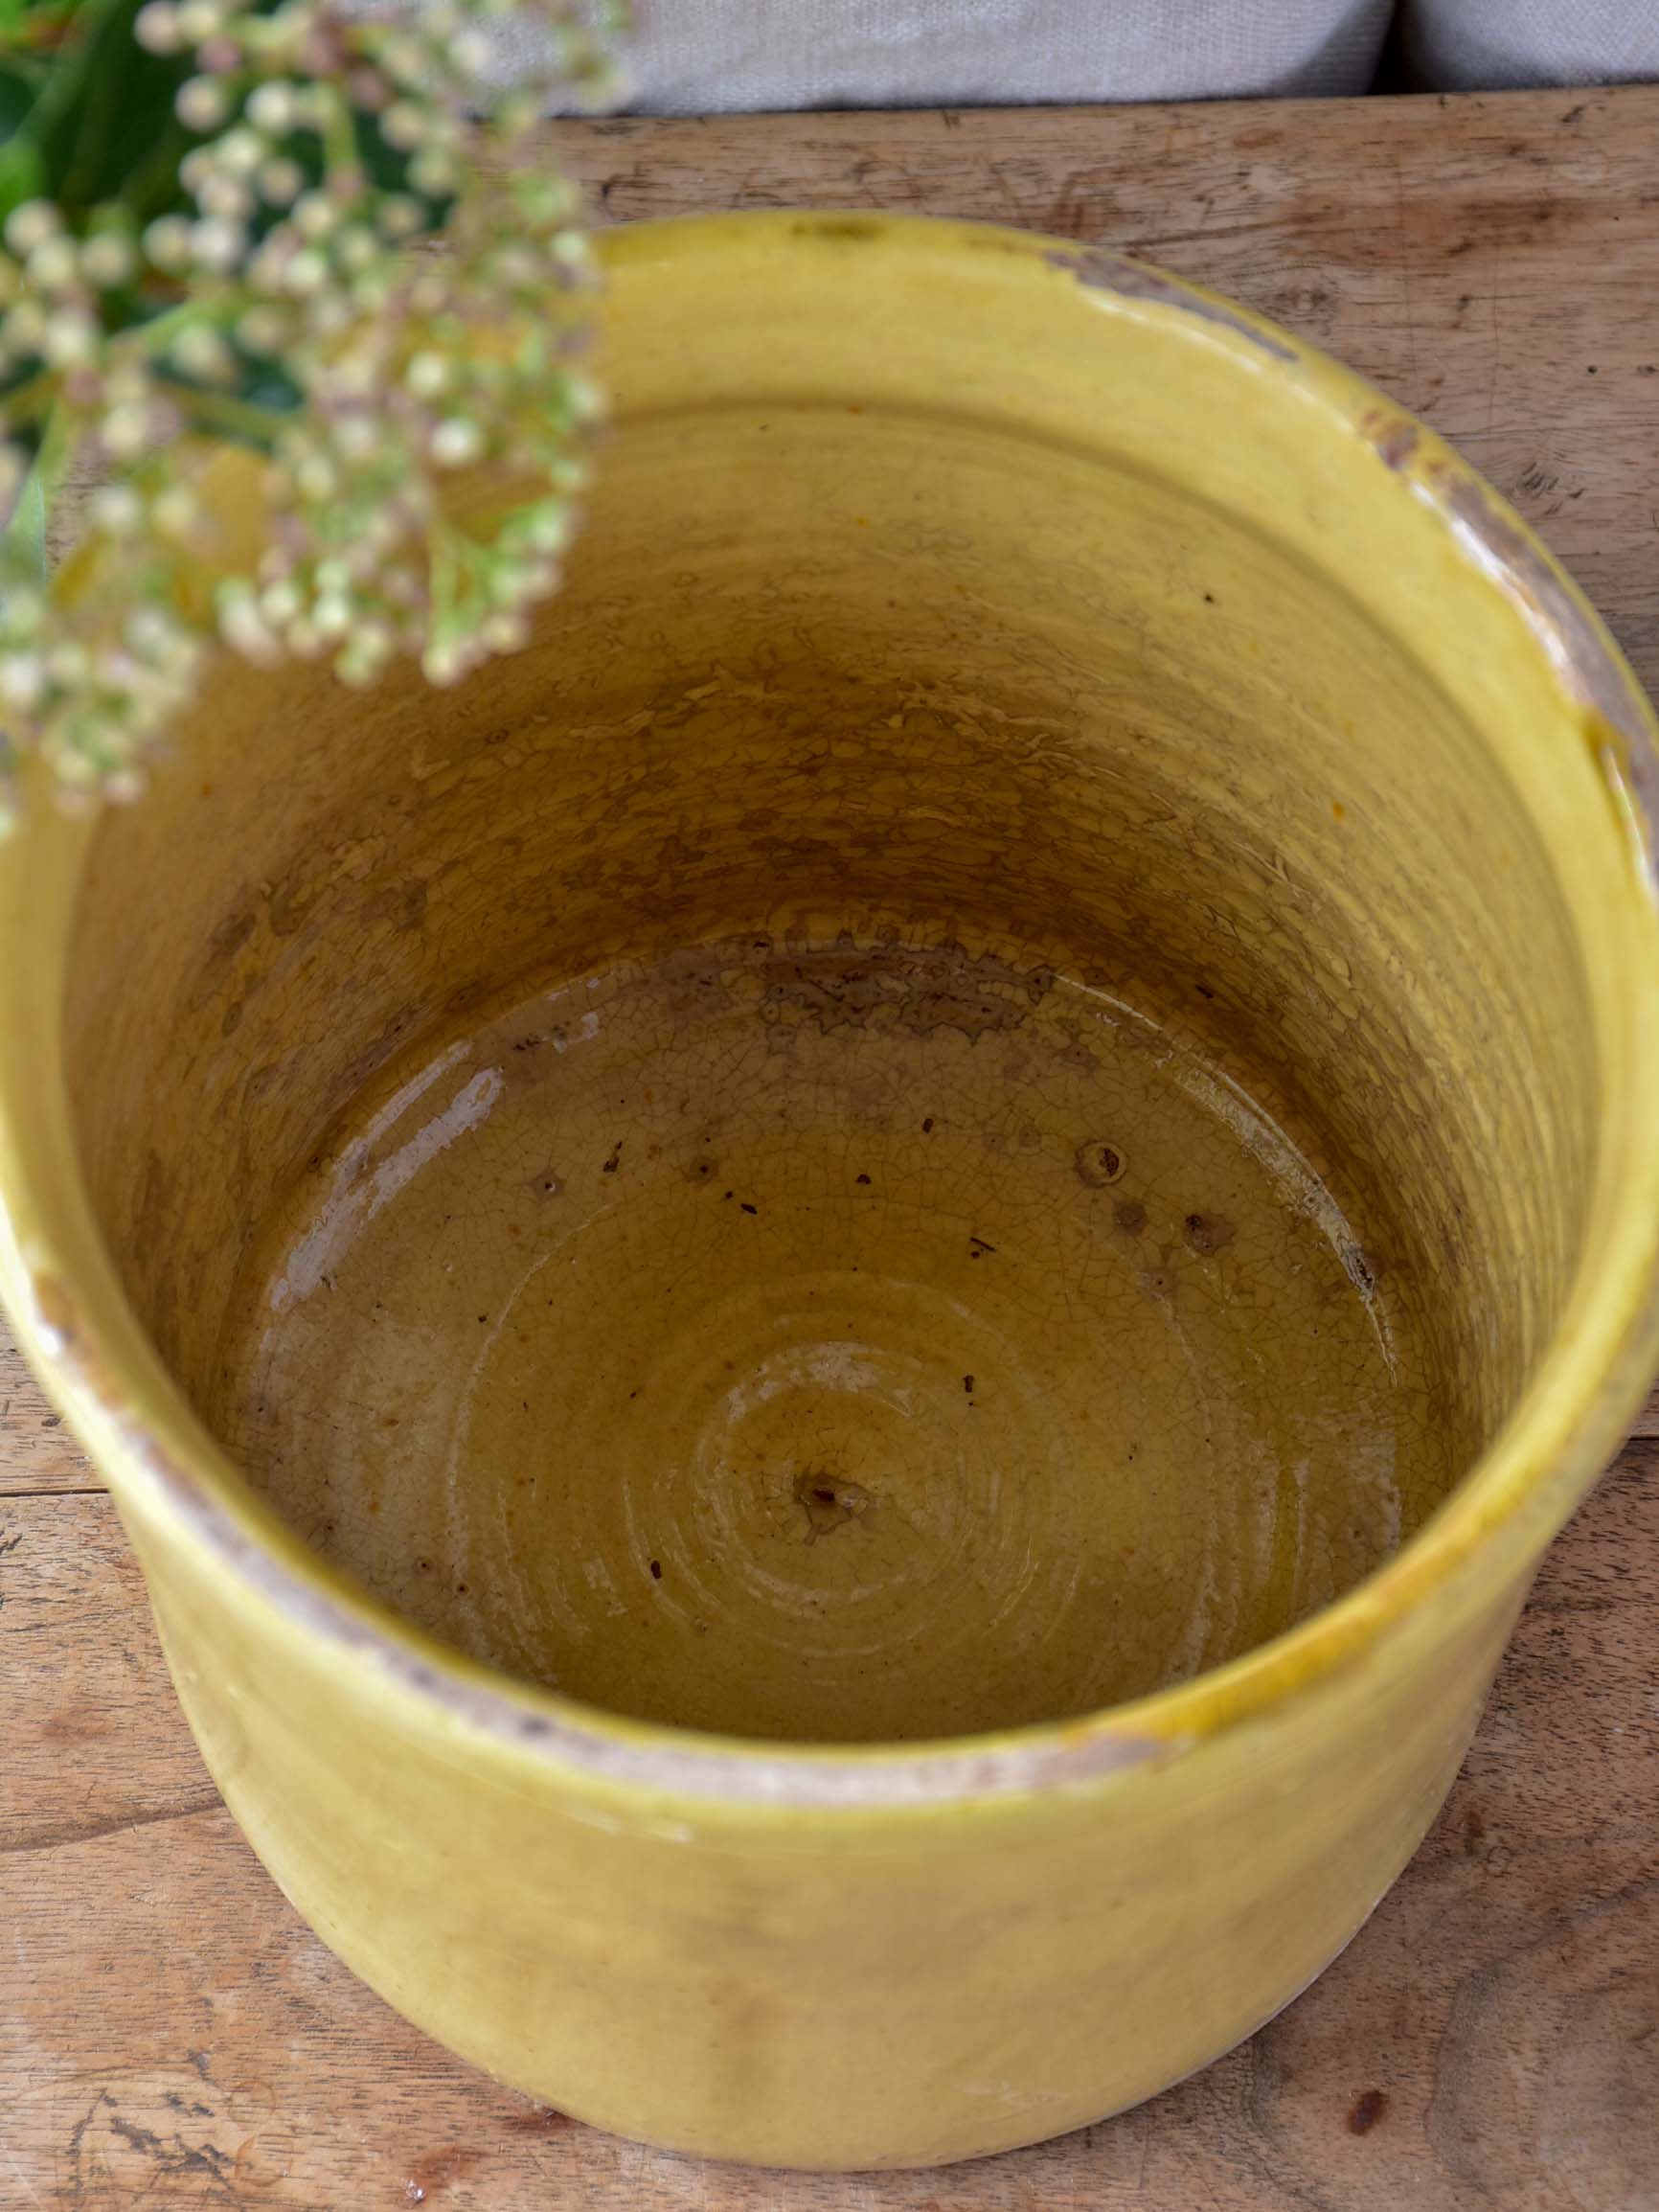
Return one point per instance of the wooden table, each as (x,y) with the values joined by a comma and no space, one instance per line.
(172,2036)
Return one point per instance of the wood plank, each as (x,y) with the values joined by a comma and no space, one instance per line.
(169,2032)
(37,1455)
(89,1743)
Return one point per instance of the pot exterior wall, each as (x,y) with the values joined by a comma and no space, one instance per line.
(878,1986)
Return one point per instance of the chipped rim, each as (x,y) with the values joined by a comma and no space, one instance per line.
(1481,1538)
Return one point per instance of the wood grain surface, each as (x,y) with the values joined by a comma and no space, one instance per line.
(170,2035)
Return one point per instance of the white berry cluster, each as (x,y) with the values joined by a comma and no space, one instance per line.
(363,284)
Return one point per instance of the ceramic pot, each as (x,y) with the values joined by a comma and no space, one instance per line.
(839,1319)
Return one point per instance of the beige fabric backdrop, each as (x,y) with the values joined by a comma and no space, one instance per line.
(698,56)
(1473,43)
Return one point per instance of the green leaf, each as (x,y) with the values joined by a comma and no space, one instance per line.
(20,84)
(122,103)
(34,24)
(270,386)
(105,110)
(25,535)
(21,176)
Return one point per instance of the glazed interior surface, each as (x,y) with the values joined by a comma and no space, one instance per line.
(963,1094)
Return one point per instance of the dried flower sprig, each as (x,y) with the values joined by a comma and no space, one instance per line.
(314,242)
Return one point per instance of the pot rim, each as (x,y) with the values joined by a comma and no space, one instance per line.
(90,1350)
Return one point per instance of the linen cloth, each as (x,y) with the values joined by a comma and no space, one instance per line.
(1472,44)
(705,56)
(700,56)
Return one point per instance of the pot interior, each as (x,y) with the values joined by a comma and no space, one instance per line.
(964,1093)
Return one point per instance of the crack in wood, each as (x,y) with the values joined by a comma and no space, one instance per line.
(64,1839)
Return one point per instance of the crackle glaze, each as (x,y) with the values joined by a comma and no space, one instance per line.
(838,1320)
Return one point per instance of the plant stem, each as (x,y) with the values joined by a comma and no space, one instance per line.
(185,315)
(339,139)
(26,399)
(238,418)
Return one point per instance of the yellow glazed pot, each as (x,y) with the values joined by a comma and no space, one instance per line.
(838,1321)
